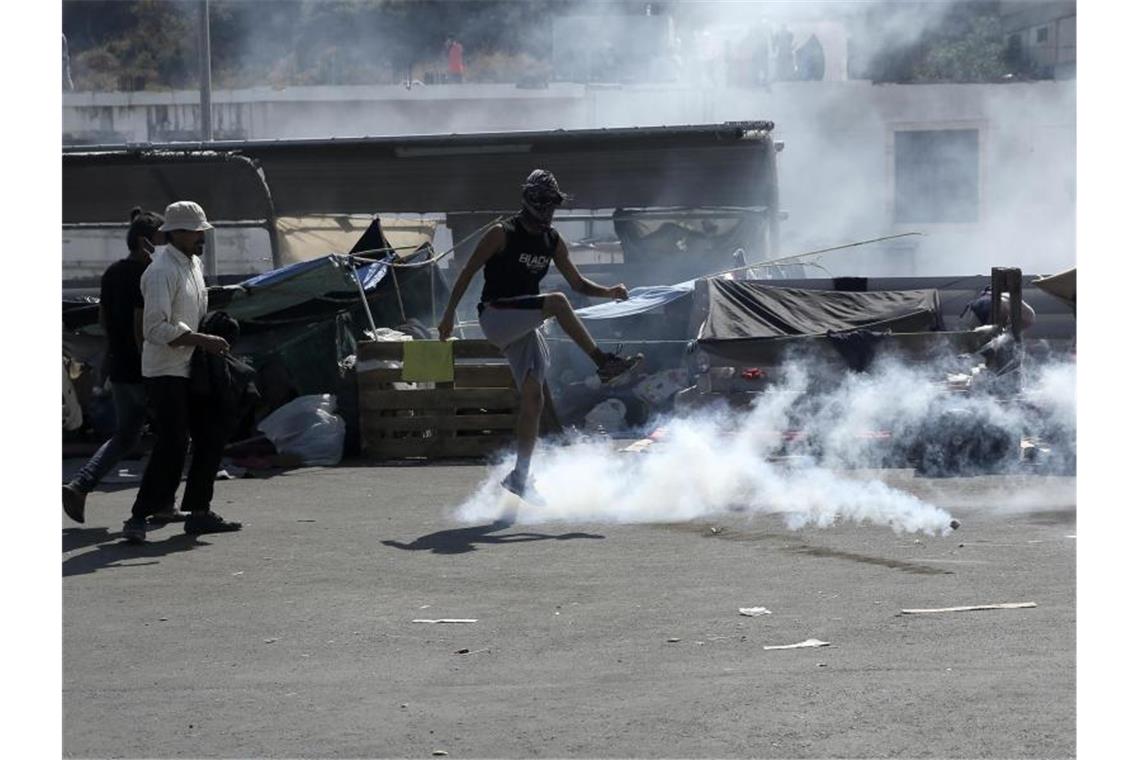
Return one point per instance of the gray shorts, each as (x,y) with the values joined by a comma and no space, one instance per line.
(515,333)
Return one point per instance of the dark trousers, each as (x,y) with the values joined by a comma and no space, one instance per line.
(178,416)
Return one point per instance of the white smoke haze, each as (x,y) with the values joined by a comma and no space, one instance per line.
(881,25)
(1054,389)
(716,462)
(834,182)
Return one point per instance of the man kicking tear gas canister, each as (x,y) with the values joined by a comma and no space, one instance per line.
(515,255)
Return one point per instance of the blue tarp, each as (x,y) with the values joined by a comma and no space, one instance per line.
(640,301)
(370,273)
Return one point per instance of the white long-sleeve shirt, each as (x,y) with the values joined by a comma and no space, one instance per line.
(174,303)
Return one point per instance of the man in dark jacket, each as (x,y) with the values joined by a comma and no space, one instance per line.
(120,315)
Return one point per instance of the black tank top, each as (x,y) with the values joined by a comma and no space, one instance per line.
(517,269)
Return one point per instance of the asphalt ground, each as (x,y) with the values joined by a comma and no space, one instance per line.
(295,637)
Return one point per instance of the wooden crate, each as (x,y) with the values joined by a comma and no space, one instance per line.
(474,416)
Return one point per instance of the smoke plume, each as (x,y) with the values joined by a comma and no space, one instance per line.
(721,461)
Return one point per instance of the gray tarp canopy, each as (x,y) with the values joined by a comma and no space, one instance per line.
(726,164)
(743,314)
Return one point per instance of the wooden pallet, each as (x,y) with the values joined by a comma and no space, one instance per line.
(474,416)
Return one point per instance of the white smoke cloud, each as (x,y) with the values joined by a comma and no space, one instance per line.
(717,462)
(837,174)
(1054,390)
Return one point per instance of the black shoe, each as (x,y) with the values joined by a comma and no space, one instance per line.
(74,502)
(209,522)
(134,530)
(617,369)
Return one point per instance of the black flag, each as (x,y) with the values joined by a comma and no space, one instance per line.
(372,240)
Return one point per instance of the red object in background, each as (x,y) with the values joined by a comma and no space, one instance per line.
(753,373)
(455,58)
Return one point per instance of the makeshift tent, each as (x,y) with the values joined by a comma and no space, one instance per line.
(742,314)
(304,291)
(319,288)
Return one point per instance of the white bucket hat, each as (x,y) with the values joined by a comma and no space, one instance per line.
(185,215)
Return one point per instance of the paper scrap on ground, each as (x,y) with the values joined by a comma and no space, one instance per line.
(755,611)
(810,643)
(971,608)
(446,620)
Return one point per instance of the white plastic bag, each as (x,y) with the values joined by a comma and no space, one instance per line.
(309,428)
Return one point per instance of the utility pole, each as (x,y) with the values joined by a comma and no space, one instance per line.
(207,121)
(204,69)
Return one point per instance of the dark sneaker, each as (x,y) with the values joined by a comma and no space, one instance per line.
(209,522)
(74,502)
(618,369)
(134,530)
(525,491)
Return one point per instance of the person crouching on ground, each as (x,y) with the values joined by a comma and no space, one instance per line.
(174,297)
(515,255)
(120,315)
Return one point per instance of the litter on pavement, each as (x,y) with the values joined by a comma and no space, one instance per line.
(971,608)
(809,644)
(755,611)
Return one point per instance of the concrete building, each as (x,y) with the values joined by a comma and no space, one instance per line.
(986,172)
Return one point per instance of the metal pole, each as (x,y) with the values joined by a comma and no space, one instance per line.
(363,297)
(205,110)
(997,286)
(1014,283)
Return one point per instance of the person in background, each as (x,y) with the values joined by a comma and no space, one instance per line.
(454,50)
(175,302)
(515,255)
(977,312)
(782,45)
(120,315)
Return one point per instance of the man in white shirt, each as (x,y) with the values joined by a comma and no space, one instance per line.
(174,304)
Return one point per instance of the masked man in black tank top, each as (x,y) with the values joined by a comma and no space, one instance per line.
(514,256)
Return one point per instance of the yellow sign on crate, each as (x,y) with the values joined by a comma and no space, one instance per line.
(428,361)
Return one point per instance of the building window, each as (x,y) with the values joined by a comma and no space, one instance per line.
(936,176)
(1043,34)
